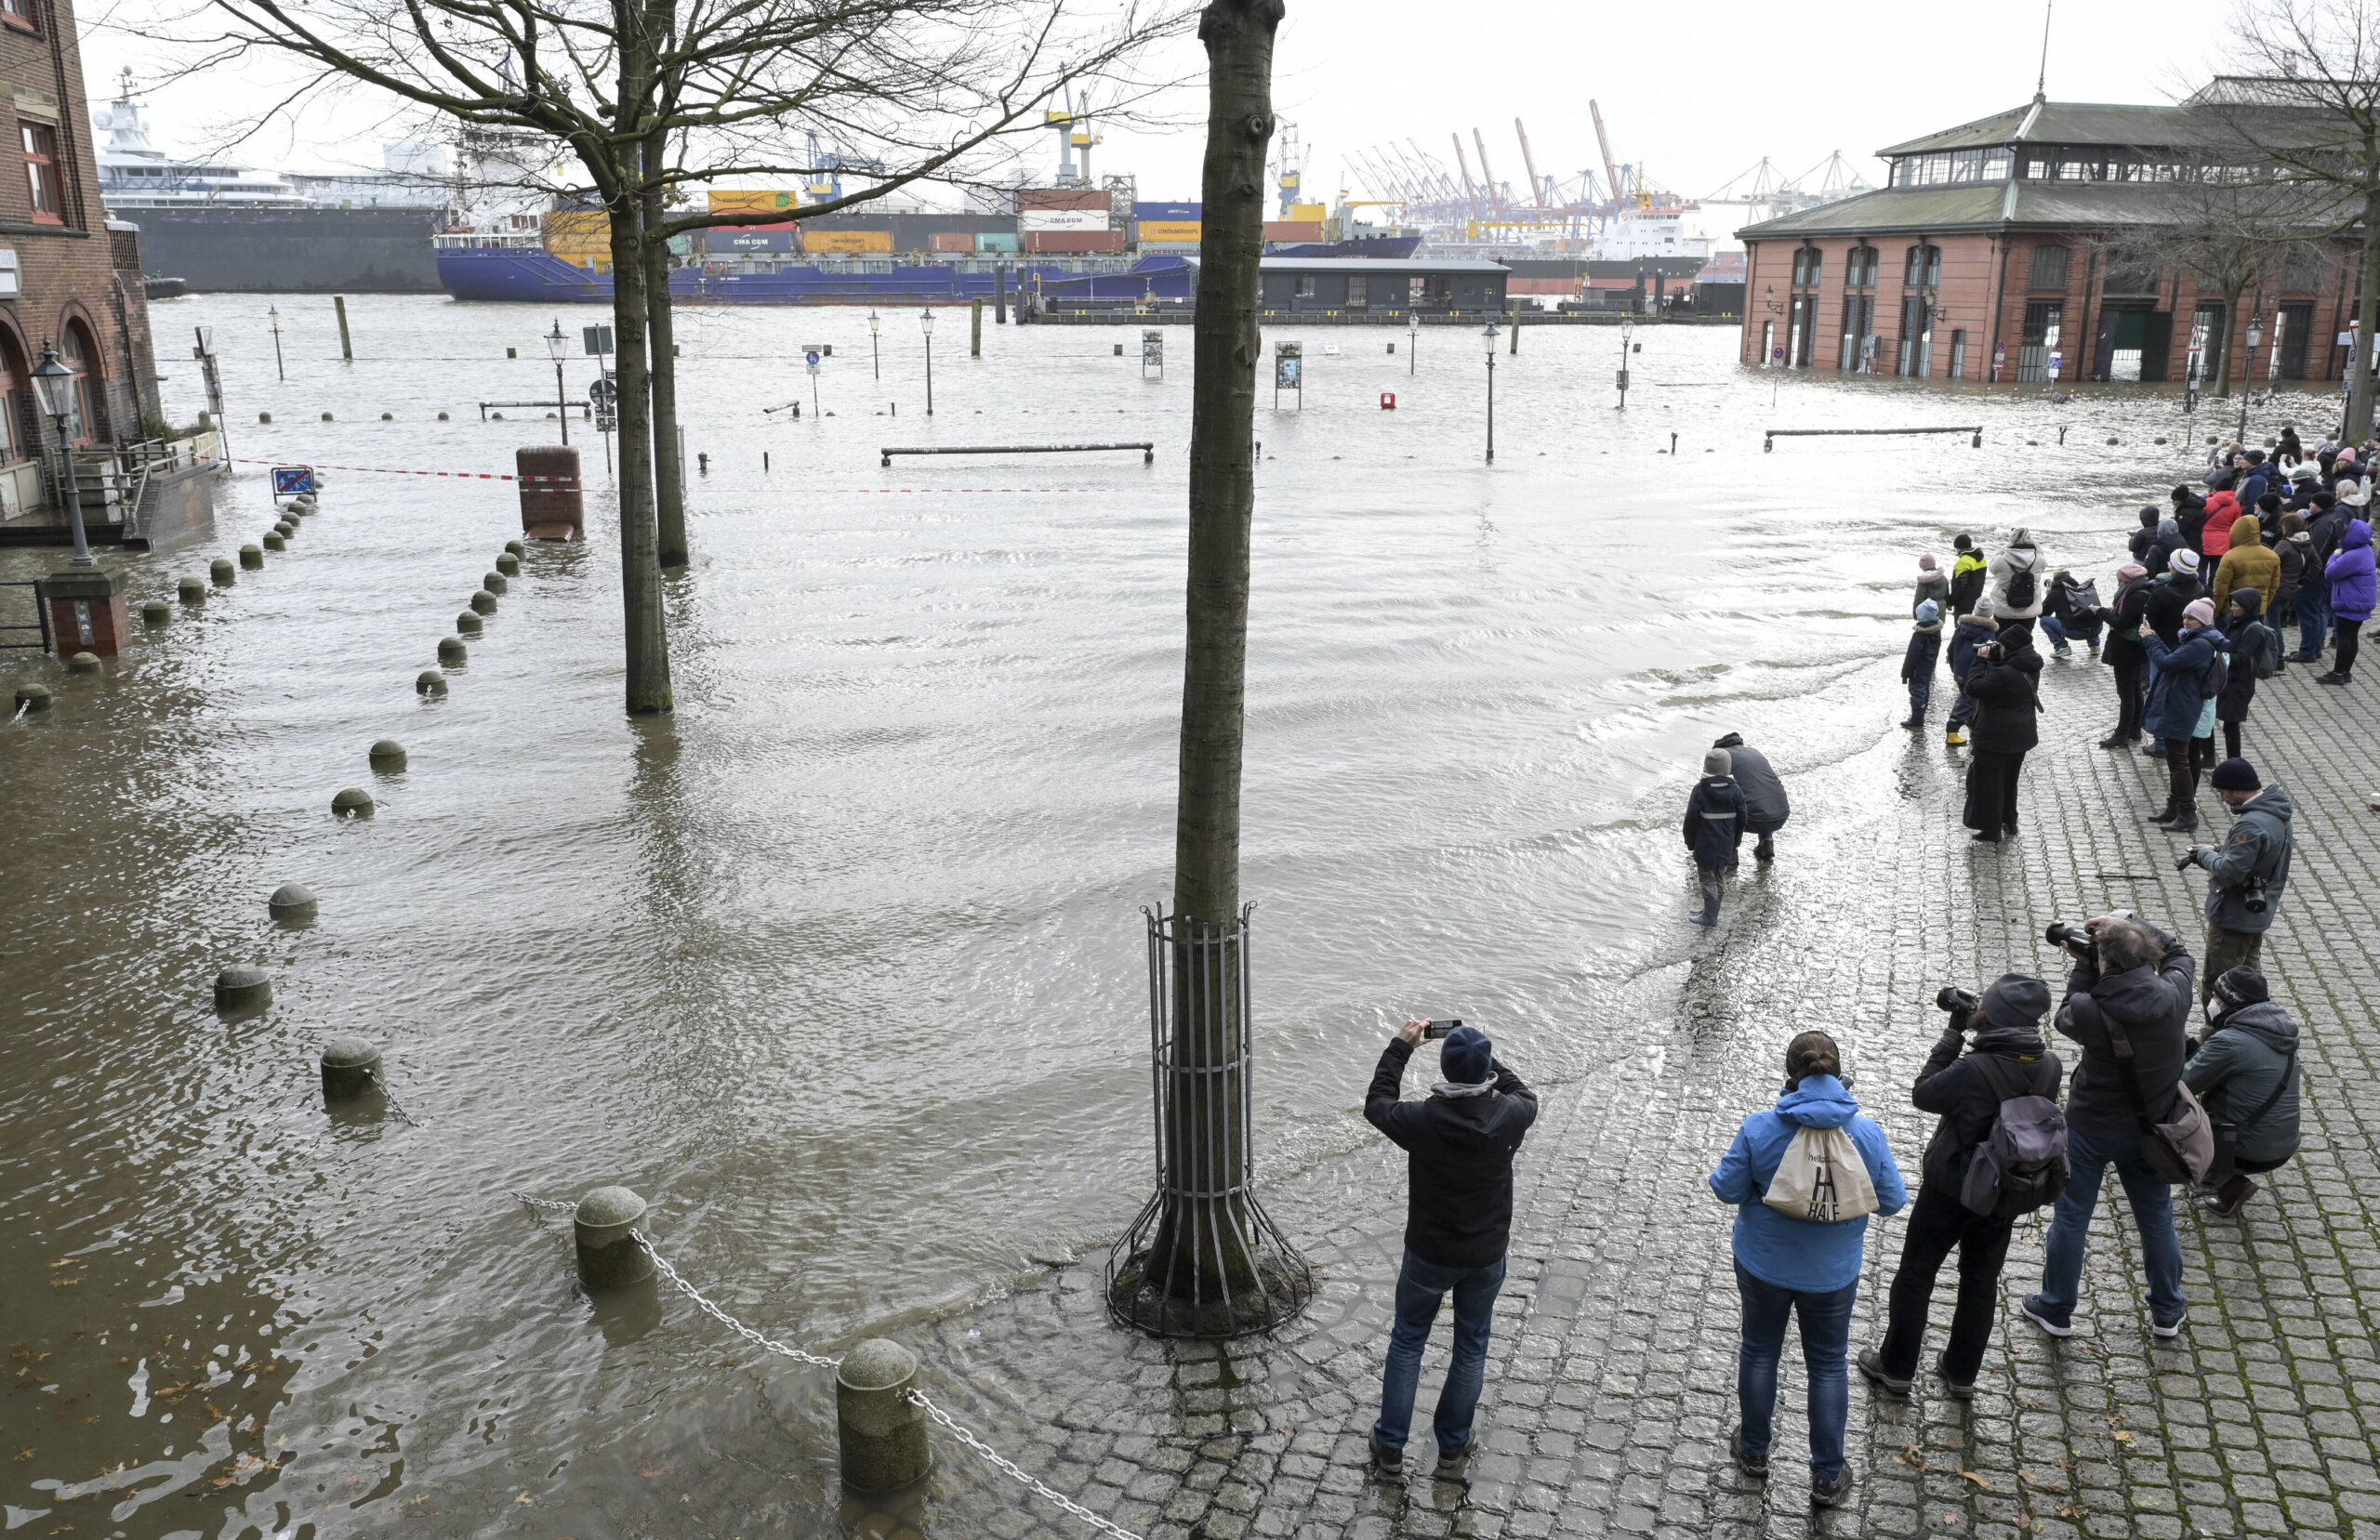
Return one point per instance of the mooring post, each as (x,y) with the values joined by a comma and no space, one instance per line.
(346,343)
(609,1257)
(999,293)
(882,1432)
(349,1066)
(975,334)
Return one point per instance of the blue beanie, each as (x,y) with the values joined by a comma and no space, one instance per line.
(1466,1056)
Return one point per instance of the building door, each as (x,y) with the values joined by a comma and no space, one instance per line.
(2297,331)
(2043,321)
(2157,347)
(2207,352)
(2123,344)
(1858,331)
(1800,341)
(1958,355)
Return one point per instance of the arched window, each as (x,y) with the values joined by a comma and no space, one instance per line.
(1924,268)
(1807,263)
(17,437)
(1860,269)
(82,355)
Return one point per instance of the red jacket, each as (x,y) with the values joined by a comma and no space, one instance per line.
(2221,510)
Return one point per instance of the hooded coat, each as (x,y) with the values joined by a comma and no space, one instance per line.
(1714,820)
(2222,516)
(2022,556)
(1957,1090)
(2153,1006)
(1971,632)
(2290,550)
(2350,573)
(2241,643)
(2008,699)
(2258,846)
(2160,550)
(2249,564)
(2177,696)
(1924,653)
(1778,1248)
(1765,807)
(1937,587)
(2124,621)
(1459,1160)
(2251,1053)
(2167,602)
(1967,581)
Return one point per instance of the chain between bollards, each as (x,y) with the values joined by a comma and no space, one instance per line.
(547,1205)
(1105,1526)
(389,1097)
(661,1264)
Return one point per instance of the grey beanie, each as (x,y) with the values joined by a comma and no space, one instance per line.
(2016,1000)
(1718,762)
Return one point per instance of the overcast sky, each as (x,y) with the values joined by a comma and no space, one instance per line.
(1697,94)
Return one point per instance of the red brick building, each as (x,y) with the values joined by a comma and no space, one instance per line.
(1987,259)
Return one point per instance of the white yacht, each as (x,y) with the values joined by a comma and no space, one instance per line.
(135,173)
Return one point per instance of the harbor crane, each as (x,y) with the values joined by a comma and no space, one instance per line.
(1528,163)
(1495,195)
(1610,168)
(1469,196)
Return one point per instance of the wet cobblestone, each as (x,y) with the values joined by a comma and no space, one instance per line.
(1610,1382)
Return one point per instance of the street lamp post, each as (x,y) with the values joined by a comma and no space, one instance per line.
(2248,373)
(926,322)
(554,344)
(1412,341)
(273,315)
(54,382)
(1488,340)
(874,346)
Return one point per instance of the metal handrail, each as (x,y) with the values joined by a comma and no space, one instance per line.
(41,619)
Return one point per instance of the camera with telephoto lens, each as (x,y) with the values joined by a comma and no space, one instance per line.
(2062,934)
(2253,897)
(1955,1000)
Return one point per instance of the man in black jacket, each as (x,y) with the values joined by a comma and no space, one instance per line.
(1459,1142)
(2128,1003)
(1965,1092)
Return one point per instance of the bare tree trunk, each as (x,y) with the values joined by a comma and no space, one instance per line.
(1207,1141)
(2367,315)
(647,629)
(669,485)
(2221,365)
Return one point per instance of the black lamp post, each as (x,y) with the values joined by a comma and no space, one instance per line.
(2248,373)
(273,315)
(54,382)
(1488,340)
(926,322)
(554,344)
(874,347)
(1412,341)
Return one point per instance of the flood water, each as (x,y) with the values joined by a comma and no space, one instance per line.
(841,965)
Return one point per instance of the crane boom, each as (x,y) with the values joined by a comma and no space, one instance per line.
(1487,177)
(1536,187)
(1610,169)
(1464,166)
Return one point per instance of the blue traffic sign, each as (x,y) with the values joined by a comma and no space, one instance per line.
(289,480)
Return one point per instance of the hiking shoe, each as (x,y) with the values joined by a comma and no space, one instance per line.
(1753,1466)
(1958,1391)
(1831,1490)
(2115,740)
(2166,1331)
(1871,1364)
(1764,852)
(2154,751)
(2225,1201)
(1389,1462)
(1456,1467)
(2038,1313)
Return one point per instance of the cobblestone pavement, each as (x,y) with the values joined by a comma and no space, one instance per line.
(1611,1380)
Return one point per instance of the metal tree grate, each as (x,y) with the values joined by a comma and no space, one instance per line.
(1203,1260)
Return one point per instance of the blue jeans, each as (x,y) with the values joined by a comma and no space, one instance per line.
(2313,616)
(1420,1287)
(2153,1210)
(2056,632)
(1826,1340)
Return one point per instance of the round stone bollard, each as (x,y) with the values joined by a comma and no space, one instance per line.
(388,755)
(326,416)
(241,985)
(291,900)
(349,1066)
(192,590)
(223,572)
(286,528)
(264,417)
(467,623)
(33,697)
(484,602)
(882,1432)
(451,650)
(514,548)
(274,541)
(157,612)
(509,564)
(494,583)
(609,1257)
(252,557)
(84,662)
(429,681)
(355,802)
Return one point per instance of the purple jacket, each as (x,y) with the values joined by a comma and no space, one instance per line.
(2350,573)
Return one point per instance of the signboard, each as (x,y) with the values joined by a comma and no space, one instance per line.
(603,397)
(2057,361)
(289,480)
(1152,348)
(812,352)
(597,340)
(1288,366)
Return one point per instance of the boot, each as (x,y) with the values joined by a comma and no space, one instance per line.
(2225,1201)
(1708,914)
(1766,851)
(1915,722)
(2183,821)
(1954,737)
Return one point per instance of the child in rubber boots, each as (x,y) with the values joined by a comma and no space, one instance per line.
(1714,827)
(1917,666)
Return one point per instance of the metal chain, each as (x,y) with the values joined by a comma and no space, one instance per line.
(1104,1526)
(765,1344)
(547,1205)
(390,1096)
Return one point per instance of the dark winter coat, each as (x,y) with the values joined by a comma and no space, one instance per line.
(2008,693)
(2325,529)
(1765,806)
(2153,1006)
(2159,559)
(1969,634)
(2291,549)
(1714,820)
(2239,644)
(2251,1054)
(2351,574)
(2123,619)
(2167,602)
(1924,653)
(2191,521)
(1954,1088)
(1967,575)
(1459,1160)
(2177,696)
(2145,536)
(2260,844)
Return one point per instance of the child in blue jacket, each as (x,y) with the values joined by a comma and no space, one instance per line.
(1918,664)
(1715,811)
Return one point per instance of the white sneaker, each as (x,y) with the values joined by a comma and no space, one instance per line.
(2166,1334)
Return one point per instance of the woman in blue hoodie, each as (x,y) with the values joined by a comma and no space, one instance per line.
(1789,1266)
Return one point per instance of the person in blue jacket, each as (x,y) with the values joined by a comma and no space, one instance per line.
(1787,1266)
(1715,811)
(2177,698)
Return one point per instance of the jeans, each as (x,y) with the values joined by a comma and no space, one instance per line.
(2153,1210)
(1963,710)
(2132,674)
(2056,632)
(1938,1221)
(2313,616)
(1826,1342)
(1420,1287)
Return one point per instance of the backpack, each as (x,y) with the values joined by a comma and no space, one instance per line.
(1822,1178)
(2022,589)
(2218,677)
(2021,1165)
(2268,650)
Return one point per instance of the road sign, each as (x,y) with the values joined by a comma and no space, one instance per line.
(603,397)
(812,352)
(289,480)
(597,340)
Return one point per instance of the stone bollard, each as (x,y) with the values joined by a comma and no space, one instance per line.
(157,612)
(509,564)
(388,416)
(192,590)
(84,662)
(275,542)
(223,572)
(484,602)
(241,985)
(467,623)
(429,681)
(33,697)
(286,528)
(355,802)
(882,1431)
(494,583)
(326,416)
(609,1257)
(252,557)
(514,548)
(441,416)
(350,1067)
(388,755)
(451,650)
(291,900)
(264,417)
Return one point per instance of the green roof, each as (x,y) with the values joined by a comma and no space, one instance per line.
(1983,205)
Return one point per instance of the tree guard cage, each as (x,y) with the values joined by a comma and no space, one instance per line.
(1202,1259)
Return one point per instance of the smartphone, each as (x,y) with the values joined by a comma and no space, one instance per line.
(1439,1029)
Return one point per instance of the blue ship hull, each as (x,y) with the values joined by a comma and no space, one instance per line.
(532,273)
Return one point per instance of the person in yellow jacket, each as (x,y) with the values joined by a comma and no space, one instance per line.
(2251,564)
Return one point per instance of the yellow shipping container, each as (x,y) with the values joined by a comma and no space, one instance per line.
(847,243)
(575,235)
(739,201)
(1314,212)
(1172,232)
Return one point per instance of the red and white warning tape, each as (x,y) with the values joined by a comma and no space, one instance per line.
(498,475)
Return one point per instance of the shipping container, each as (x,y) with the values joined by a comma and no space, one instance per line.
(1061,218)
(1072,242)
(1170,233)
(1003,242)
(735,202)
(1293,229)
(847,243)
(1315,212)
(1168,212)
(950,240)
(724,242)
(1063,197)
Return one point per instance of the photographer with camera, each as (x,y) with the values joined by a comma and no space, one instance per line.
(2245,1070)
(1459,1142)
(1999,1151)
(2246,874)
(2127,1004)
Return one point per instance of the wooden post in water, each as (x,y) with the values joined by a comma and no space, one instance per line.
(346,343)
(975,329)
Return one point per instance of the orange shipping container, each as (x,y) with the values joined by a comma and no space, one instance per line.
(847,243)
(1293,229)
(947,241)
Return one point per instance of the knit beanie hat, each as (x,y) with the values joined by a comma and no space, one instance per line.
(2184,563)
(1466,1056)
(2201,611)
(2016,1000)
(1964,542)
(1926,565)
(1984,609)
(2236,775)
(1718,762)
(2130,571)
(1929,613)
(2241,986)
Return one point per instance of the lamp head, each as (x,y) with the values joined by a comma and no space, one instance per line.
(926,320)
(555,343)
(54,382)
(1487,339)
(874,321)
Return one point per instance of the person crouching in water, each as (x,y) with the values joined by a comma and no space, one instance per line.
(1765,805)
(1714,827)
